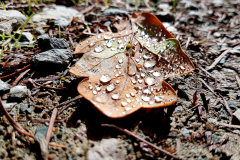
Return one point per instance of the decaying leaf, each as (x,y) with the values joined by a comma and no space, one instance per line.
(126,70)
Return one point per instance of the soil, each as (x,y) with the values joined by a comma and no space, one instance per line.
(190,129)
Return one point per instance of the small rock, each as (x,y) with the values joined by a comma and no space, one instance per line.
(23,107)
(114,11)
(107,149)
(54,57)
(26,36)
(3,153)
(217,34)
(45,43)
(212,120)
(237,115)
(11,20)
(8,106)
(185,132)
(39,31)
(9,129)
(29,110)
(208,135)
(18,92)
(4,86)
(41,130)
(57,13)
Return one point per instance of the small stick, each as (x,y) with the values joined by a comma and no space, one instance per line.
(228,125)
(219,58)
(238,80)
(19,77)
(65,107)
(189,39)
(50,127)
(56,145)
(141,139)
(207,86)
(227,106)
(15,125)
(194,107)
(69,101)
(205,104)
(12,74)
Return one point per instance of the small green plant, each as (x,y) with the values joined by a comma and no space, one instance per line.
(19,37)
(174,5)
(59,31)
(3,6)
(106,3)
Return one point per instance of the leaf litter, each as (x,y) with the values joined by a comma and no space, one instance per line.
(205,28)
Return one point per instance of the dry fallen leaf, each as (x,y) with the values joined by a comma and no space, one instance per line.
(126,70)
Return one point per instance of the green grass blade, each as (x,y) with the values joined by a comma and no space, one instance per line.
(4,6)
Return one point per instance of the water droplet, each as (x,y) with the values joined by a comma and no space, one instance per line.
(158,99)
(92,44)
(151,102)
(115,96)
(109,44)
(129,100)
(111,87)
(138,100)
(156,74)
(143,74)
(94,92)
(99,37)
(118,66)
(99,49)
(182,67)
(127,108)
(117,81)
(116,75)
(132,94)
(140,81)
(137,60)
(127,95)
(149,64)
(134,106)
(90,86)
(145,98)
(87,41)
(113,49)
(105,79)
(124,103)
(135,43)
(133,81)
(120,61)
(106,37)
(98,87)
(147,91)
(120,41)
(150,81)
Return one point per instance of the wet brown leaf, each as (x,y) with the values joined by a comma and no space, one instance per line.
(126,70)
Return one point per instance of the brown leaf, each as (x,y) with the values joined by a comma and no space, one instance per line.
(126,70)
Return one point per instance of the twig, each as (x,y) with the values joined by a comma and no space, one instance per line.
(238,80)
(56,145)
(69,101)
(12,74)
(227,107)
(219,58)
(50,127)
(228,125)
(141,139)
(19,77)
(207,86)
(194,107)
(15,125)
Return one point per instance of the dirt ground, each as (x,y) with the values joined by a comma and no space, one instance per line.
(202,125)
